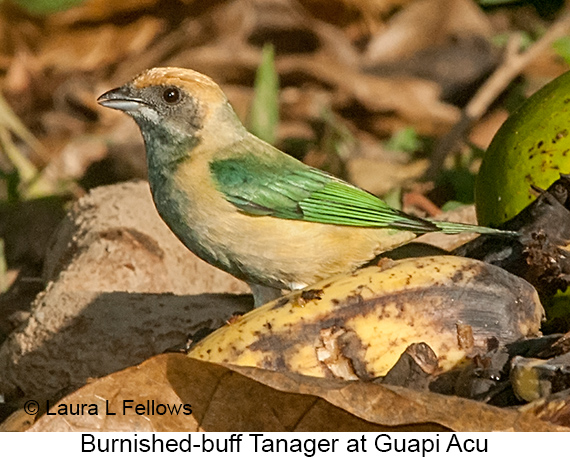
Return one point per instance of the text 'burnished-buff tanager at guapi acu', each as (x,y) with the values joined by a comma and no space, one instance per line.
(243,205)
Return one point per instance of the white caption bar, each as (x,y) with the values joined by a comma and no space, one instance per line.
(285,444)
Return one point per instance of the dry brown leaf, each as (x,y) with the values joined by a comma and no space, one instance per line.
(220,399)
(245,399)
(425,23)
(415,100)
(341,12)
(90,49)
(483,132)
(98,10)
(380,177)
(555,408)
(18,421)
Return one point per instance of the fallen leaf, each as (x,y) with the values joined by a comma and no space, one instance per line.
(246,399)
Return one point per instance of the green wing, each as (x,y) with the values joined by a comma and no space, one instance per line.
(260,180)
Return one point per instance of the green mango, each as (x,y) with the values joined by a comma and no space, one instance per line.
(532,147)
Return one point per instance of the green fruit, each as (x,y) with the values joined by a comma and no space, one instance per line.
(531,148)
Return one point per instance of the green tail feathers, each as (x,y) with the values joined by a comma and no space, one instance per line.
(453,228)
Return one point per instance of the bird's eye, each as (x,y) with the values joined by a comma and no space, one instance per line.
(171,95)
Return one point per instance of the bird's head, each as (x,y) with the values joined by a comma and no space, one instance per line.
(176,105)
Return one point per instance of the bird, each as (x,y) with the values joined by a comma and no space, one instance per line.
(245,206)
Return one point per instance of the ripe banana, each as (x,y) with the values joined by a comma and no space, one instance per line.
(356,326)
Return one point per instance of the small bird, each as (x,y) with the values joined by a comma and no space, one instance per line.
(243,205)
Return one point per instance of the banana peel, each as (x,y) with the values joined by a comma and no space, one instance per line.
(356,326)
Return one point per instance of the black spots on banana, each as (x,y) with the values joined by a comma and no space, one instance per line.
(310,295)
(461,271)
(281,302)
(299,298)
(275,363)
(465,338)
(354,349)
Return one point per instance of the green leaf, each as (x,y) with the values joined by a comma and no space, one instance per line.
(10,191)
(26,169)
(42,7)
(461,180)
(336,137)
(451,205)
(264,112)
(406,140)
(562,48)
(502,39)
(3,269)
(393,198)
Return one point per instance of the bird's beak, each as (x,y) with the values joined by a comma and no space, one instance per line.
(122,99)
